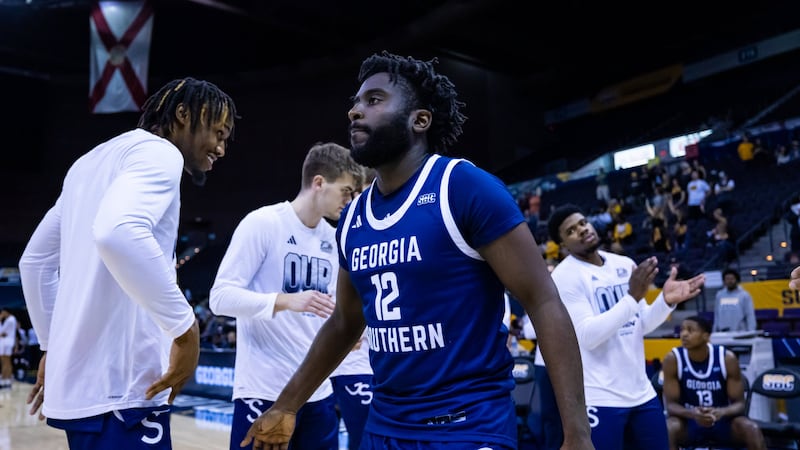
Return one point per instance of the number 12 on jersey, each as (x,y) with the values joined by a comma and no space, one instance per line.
(386,292)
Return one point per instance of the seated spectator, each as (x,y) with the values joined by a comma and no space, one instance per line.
(697,191)
(782,155)
(723,192)
(634,192)
(684,173)
(616,206)
(656,206)
(659,236)
(745,148)
(679,232)
(719,238)
(701,169)
(704,393)
(551,251)
(761,157)
(621,234)
(677,198)
(644,181)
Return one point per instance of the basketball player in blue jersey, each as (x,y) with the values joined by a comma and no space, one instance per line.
(704,393)
(604,294)
(425,255)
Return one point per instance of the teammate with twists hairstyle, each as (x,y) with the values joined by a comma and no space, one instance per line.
(99,277)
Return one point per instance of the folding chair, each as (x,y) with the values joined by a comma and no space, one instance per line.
(776,383)
(523,392)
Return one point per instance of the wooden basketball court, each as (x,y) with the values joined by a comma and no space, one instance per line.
(197,424)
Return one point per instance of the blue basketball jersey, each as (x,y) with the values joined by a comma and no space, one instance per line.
(433,306)
(702,383)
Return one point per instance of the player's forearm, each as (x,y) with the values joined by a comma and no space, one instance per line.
(594,330)
(229,300)
(677,410)
(654,314)
(732,410)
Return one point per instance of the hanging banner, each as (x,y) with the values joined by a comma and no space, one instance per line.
(119,53)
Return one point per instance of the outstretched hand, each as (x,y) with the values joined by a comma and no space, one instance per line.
(678,291)
(642,277)
(794,282)
(271,430)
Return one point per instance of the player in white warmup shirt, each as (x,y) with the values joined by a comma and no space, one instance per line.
(8,340)
(604,295)
(277,278)
(99,276)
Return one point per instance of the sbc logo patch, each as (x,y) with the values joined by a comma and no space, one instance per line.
(424,199)
(778,382)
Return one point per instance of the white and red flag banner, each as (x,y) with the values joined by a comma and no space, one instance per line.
(119,55)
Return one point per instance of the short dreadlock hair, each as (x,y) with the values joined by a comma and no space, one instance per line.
(159,110)
(427,89)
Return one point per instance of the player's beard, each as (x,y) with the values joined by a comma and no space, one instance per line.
(384,144)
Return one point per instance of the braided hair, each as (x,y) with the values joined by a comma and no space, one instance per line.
(196,95)
(425,89)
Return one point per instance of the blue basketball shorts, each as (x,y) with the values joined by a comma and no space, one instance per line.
(127,429)
(317,426)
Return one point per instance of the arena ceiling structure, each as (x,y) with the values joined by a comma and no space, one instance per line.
(550,53)
(559,50)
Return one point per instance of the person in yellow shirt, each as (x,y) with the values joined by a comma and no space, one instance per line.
(621,233)
(552,251)
(745,148)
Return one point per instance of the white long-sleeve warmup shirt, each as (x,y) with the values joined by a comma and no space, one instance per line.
(610,326)
(99,278)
